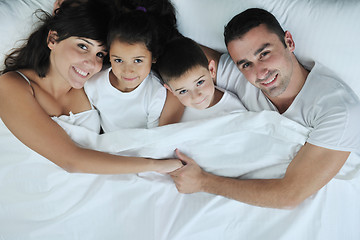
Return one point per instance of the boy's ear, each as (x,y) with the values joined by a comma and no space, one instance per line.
(52,39)
(168,88)
(212,69)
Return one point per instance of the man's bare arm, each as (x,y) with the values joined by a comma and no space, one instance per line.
(309,171)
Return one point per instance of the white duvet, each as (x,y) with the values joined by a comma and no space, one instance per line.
(39,200)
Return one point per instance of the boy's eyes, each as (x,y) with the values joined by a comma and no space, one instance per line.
(183,92)
(138,61)
(118,60)
(200,82)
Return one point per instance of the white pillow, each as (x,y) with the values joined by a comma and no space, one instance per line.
(325,31)
(17,21)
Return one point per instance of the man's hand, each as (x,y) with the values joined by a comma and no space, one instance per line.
(190,177)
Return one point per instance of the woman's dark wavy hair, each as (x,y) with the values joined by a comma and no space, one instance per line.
(152,22)
(74,18)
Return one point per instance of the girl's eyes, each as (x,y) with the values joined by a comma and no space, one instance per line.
(118,60)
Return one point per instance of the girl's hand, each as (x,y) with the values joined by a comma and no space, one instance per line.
(168,165)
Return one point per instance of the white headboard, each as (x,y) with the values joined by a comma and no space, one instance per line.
(326,31)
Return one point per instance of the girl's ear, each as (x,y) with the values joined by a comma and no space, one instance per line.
(52,39)
(154,60)
(212,69)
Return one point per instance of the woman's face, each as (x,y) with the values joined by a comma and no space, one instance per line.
(76,59)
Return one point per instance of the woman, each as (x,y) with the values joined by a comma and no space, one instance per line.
(43,82)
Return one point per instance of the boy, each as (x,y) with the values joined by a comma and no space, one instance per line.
(187,73)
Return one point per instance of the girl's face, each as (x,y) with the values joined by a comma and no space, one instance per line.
(76,59)
(131,64)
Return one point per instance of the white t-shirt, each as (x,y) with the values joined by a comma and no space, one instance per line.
(228,103)
(140,108)
(325,104)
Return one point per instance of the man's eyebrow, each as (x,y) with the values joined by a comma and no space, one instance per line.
(265,45)
(259,50)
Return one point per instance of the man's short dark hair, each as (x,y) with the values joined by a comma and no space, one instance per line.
(249,19)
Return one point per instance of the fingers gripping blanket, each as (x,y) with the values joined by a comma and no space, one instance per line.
(232,145)
(39,200)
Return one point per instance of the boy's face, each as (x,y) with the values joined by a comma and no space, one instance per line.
(195,88)
(131,64)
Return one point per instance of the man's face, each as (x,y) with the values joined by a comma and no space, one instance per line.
(264,60)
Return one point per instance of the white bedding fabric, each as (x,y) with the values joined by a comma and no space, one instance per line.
(39,200)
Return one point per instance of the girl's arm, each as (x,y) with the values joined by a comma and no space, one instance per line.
(172,111)
(26,119)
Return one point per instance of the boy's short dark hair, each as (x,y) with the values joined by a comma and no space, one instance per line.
(243,22)
(180,55)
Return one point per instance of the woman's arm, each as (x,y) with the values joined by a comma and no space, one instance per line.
(25,118)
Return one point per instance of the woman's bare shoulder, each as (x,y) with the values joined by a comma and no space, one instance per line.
(12,83)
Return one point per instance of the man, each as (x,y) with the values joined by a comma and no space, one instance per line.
(276,81)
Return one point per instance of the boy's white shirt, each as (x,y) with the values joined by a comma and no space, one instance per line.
(228,103)
(140,108)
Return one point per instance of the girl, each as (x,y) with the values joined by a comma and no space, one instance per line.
(43,84)
(129,94)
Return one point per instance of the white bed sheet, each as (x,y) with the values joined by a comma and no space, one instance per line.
(39,200)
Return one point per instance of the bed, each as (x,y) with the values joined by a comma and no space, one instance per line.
(39,200)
